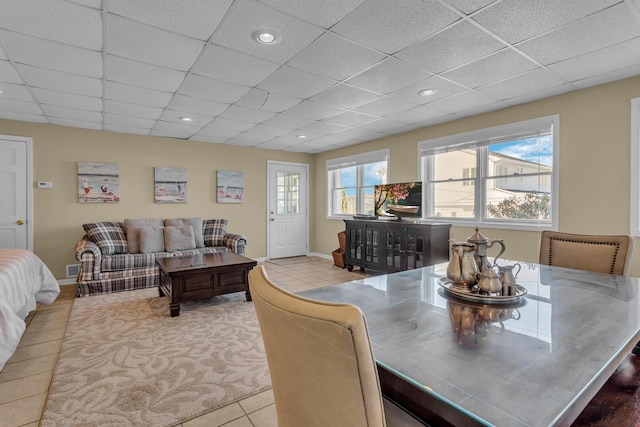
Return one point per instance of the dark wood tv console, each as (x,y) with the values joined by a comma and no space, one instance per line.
(390,246)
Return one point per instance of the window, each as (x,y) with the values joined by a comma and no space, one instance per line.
(635,167)
(509,175)
(351,181)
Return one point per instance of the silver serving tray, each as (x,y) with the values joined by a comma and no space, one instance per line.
(469,295)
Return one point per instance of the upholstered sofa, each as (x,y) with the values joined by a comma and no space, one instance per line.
(120,256)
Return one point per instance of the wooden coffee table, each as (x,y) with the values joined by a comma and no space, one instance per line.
(201,277)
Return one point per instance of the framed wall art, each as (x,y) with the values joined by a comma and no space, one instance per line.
(170,185)
(230,186)
(98,182)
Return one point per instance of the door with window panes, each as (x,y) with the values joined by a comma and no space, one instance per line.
(288,228)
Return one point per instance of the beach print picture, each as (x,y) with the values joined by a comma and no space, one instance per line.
(98,182)
(170,185)
(230,186)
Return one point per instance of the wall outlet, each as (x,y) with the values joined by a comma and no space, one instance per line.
(73,270)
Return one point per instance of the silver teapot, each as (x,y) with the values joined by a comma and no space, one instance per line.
(482,244)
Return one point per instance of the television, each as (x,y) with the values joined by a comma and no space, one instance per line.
(398,200)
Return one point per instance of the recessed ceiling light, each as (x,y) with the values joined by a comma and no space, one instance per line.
(427,92)
(302,136)
(265,37)
(1,91)
(186,119)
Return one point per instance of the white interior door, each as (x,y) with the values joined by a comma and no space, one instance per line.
(15,193)
(288,211)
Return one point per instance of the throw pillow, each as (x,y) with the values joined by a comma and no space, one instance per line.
(179,238)
(214,231)
(109,236)
(132,227)
(151,239)
(194,222)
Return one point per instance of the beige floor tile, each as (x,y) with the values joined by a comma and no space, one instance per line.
(35,327)
(25,387)
(22,411)
(36,350)
(257,401)
(42,337)
(265,417)
(216,418)
(48,316)
(28,367)
(240,422)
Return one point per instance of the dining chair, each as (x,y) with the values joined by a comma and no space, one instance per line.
(319,354)
(597,253)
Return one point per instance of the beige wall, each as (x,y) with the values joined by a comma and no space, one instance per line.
(58,217)
(594,175)
(594,165)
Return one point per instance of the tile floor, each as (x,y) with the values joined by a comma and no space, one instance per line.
(25,379)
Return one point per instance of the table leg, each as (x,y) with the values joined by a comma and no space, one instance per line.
(174,309)
(248,295)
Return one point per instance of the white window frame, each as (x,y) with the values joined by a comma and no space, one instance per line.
(634,198)
(355,160)
(484,137)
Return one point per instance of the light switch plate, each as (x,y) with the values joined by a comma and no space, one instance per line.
(45,184)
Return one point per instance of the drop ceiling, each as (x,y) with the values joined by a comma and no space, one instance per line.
(342,71)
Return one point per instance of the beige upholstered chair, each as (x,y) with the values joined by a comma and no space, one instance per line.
(322,367)
(597,253)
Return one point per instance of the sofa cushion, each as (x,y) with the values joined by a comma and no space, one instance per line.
(132,227)
(213,231)
(179,238)
(195,222)
(109,236)
(151,239)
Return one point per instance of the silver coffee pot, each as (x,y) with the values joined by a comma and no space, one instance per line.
(482,244)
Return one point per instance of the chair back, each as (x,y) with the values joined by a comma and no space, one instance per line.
(320,359)
(596,253)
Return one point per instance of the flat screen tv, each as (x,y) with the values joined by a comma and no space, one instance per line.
(402,199)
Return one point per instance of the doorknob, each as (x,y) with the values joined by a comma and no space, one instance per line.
(20,222)
(273,219)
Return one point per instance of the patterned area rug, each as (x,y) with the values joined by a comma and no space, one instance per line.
(124,361)
(294,260)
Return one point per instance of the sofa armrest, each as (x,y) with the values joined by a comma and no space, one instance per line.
(90,257)
(235,242)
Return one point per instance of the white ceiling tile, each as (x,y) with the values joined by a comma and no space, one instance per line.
(293,138)
(209,139)
(391,29)
(23,117)
(379,127)
(96,4)
(151,45)
(15,91)
(274,144)
(128,121)
(51,55)
(388,76)
(606,28)
(228,124)
(241,142)
(323,13)
(57,80)
(126,109)
(51,97)
(462,102)
(215,90)
(145,75)
(608,77)
(218,133)
(345,96)
(136,95)
(177,128)
(481,109)
(58,21)
(288,121)
(258,98)
(268,130)
(445,88)
(493,68)
(533,81)
(323,128)
(170,133)
(83,124)
(416,115)
(197,105)
(457,45)
(224,64)
(296,83)
(545,93)
(55,111)
(127,129)
(248,16)
(335,57)
(255,137)
(21,107)
(351,118)
(469,6)
(314,110)
(623,55)
(236,112)
(3,56)
(197,120)
(518,20)
(195,18)
(384,106)
(8,73)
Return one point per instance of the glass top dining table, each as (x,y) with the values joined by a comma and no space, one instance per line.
(536,360)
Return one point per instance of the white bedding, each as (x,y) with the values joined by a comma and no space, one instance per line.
(24,280)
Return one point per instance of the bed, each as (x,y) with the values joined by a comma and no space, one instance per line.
(24,281)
